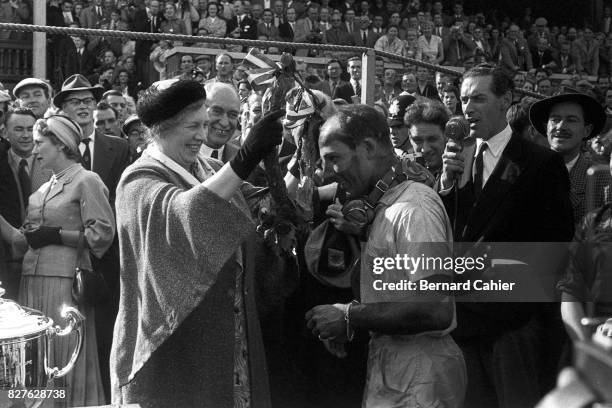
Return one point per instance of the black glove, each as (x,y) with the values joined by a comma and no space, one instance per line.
(43,236)
(264,136)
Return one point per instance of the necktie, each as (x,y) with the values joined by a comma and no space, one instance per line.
(365,38)
(479,170)
(24,181)
(99,12)
(358,89)
(215,154)
(86,154)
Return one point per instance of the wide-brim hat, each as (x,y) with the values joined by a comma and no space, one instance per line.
(331,266)
(75,83)
(594,113)
(31,82)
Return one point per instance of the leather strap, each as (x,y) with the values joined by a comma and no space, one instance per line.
(391,179)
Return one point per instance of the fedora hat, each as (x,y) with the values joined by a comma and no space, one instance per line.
(594,113)
(75,83)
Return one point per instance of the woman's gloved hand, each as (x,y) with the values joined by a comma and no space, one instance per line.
(264,136)
(43,236)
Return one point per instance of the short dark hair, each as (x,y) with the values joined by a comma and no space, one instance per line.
(426,111)
(501,83)
(359,122)
(101,106)
(518,116)
(19,111)
(245,82)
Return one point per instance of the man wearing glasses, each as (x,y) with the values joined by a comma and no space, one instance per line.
(107,156)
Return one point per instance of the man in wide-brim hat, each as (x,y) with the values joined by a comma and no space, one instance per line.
(568,120)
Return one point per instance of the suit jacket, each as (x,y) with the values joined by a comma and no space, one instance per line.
(302,30)
(564,67)
(430,92)
(78,64)
(333,93)
(271,33)
(110,158)
(12,206)
(526,199)
(143,24)
(89,18)
(248,27)
(512,56)
(587,56)
(345,91)
(286,32)
(371,38)
(578,182)
(545,60)
(338,37)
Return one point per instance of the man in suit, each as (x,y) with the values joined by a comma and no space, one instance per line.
(354,69)
(349,22)
(541,32)
(146,23)
(241,25)
(364,37)
(94,15)
(334,86)
(286,30)
(107,156)
(336,35)
(223,112)
(266,26)
(307,30)
(568,120)
(542,56)
(19,171)
(79,59)
(507,190)
(564,61)
(515,53)
(586,50)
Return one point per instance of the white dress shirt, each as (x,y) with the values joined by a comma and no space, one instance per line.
(206,151)
(491,156)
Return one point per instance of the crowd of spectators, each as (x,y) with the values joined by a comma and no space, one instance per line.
(432,31)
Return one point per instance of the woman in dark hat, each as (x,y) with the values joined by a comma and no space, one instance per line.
(72,205)
(187,332)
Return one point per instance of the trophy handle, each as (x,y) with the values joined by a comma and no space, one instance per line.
(74,318)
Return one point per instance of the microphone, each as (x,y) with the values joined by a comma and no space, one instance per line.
(457,128)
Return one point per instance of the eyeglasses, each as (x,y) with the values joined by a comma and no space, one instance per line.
(74,102)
